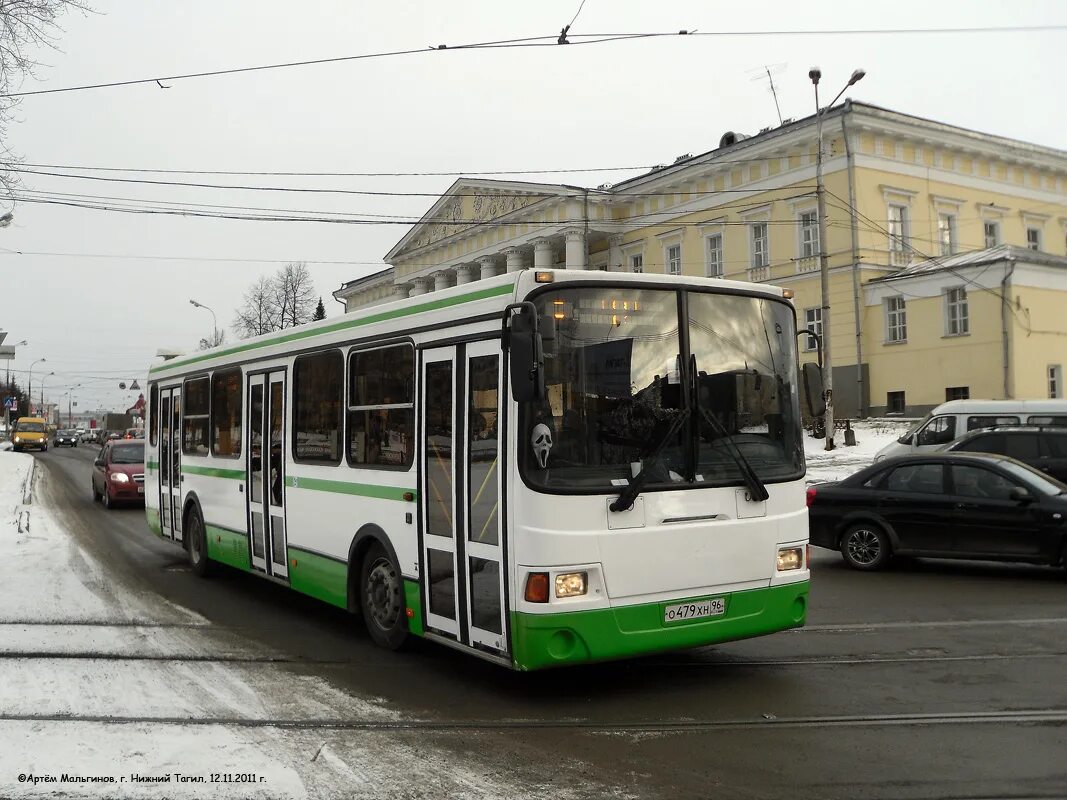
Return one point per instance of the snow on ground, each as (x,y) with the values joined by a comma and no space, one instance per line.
(98,681)
(871,436)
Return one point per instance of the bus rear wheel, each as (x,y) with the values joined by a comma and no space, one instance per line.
(381,592)
(196,544)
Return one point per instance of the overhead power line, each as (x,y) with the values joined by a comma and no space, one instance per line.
(545,41)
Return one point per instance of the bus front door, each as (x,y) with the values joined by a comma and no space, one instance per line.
(265,472)
(170,464)
(463,553)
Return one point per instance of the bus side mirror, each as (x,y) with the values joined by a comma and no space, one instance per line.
(814,393)
(526,354)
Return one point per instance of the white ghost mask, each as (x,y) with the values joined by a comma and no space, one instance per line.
(541,439)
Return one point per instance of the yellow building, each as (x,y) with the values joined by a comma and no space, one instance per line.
(916,211)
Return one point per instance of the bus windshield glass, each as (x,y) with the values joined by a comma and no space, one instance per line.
(30,427)
(622,365)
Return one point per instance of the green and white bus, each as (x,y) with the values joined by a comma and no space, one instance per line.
(541,468)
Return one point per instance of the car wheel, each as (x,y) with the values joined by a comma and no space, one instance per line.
(108,504)
(96,494)
(865,547)
(381,592)
(196,544)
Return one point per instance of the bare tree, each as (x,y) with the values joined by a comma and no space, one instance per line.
(272,304)
(26,26)
(295,293)
(259,312)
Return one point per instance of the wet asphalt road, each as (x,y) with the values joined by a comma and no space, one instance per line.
(930,680)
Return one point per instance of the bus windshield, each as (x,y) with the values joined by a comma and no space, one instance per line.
(621,367)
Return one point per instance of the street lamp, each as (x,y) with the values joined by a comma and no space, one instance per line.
(214,322)
(815,74)
(41,409)
(29,383)
(70,398)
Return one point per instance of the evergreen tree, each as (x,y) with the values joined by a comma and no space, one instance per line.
(320,312)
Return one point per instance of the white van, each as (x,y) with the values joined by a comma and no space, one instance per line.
(949,421)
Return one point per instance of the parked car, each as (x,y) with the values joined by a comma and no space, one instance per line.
(118,473)
(943,505)
(65,437)
(91,437)
(951,420)
(30,432)
(1042,448)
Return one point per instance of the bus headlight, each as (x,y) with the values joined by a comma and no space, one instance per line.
(790,558)
(571,584)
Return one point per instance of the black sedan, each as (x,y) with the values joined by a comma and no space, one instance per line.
(942,505)
(1043,448)
(67,438)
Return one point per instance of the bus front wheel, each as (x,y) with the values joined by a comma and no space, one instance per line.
(381,590)
(196,544)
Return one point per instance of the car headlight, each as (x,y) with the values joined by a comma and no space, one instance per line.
(17,439)
(790,558)
(571,584)
(120,477)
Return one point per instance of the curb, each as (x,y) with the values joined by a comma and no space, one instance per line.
(27,487)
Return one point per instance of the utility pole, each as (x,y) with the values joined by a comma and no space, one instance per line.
(815,74)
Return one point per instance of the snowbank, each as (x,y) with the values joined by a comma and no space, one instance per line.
(871,436)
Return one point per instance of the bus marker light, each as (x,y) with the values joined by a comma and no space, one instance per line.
(544,277)
(790,558)
(571,584)
(537,587)
(294,562)
(410,612)
(409,496)
(788,294)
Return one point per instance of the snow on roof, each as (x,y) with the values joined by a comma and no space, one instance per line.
(975,258)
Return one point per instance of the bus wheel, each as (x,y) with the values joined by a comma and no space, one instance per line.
(865,547)
(381,590)
(196,544)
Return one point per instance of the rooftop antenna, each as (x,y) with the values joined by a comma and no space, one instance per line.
(768,71)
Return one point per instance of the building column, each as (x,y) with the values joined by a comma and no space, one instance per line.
(487,264)
(401,291)
(443,279)
(464,274)
(544,257)
(615,256)
(420,286)
(516,259)
(576,249)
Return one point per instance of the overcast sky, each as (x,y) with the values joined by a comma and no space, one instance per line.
(100,320)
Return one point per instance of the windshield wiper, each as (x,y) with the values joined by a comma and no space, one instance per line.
(633,488)
(757,490)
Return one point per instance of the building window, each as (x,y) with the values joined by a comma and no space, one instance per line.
(894,402)
(957,393)
(760,249)
(812,322)
(957,322)
(898,235)
(1055,381)
(674,259)
(637,262)
(381,407)
(1033,238)
(992,234)
(946,233)
(896,320)
(195,405)
(809,234)
(226,413)
(318,385)
(715,265)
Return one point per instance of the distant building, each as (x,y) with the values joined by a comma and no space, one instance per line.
(946,247)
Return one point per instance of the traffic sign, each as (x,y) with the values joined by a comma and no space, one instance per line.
(10,403)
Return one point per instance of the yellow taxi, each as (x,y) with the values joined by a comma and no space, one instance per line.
(30,432)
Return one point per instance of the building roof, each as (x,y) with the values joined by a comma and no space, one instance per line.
(975,258)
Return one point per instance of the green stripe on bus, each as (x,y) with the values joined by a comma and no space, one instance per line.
(214,472)
(154,523)
(432,305)
(551,640)
(320,577)
(413,598)
(227,546)
(342,487)
(152,465)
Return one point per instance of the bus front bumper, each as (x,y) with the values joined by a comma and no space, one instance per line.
(552,640)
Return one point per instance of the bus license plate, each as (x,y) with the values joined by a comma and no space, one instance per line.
(712,607)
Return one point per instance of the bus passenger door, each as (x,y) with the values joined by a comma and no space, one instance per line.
(265,472)
(462,552)
(170,465)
